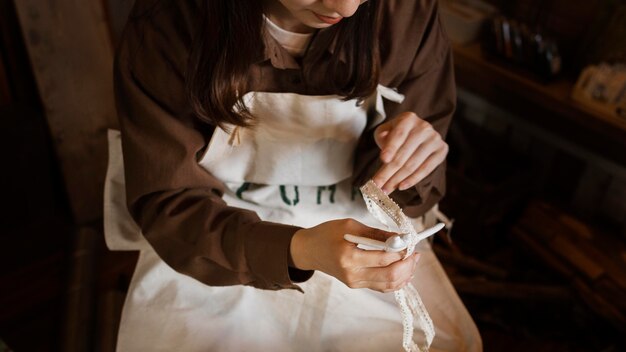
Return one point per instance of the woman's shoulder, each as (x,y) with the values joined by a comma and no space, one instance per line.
(154,48)
(159,32)
(408,19)
(169,20)
(410,9)
(411,37)
(151,9)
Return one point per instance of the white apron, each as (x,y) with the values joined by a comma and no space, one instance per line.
(294,167)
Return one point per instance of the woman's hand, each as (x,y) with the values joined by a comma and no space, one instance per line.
(323,248)
(410,150)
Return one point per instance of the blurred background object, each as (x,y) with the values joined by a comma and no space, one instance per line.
(605,39)
(516,43)
(464,19)
(603,87)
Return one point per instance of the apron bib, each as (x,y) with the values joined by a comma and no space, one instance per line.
(293,167)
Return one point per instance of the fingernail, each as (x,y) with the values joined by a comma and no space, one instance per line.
(403,187)
(385,190)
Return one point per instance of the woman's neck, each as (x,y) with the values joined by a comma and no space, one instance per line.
(281,16)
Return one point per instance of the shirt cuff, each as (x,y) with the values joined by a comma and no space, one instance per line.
(267,252)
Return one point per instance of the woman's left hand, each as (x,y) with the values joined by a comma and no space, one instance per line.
(410,150)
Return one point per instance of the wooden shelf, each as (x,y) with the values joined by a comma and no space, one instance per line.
(548,105)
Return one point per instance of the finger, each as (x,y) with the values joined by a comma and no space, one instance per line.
(415,138)
(422,153)
(377,234)
(403,154)
(356,228)
(376,259)
(391,277)
(381,134)
(384,287)
(424,170)
(395,139)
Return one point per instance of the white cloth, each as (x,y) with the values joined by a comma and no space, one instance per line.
(121,232)
(167,311)
(294,43)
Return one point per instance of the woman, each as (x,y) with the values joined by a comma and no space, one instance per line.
(246,128)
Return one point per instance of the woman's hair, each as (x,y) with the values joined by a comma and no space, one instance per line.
(229,40)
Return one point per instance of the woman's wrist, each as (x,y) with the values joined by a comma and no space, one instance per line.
(297,251)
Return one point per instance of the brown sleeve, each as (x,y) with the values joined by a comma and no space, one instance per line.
(176,202)
(417,60)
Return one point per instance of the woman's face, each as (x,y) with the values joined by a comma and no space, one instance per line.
(307,15)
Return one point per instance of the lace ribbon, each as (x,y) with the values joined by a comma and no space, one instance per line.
(411,306)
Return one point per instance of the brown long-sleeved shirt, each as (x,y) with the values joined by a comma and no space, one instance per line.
(178,204)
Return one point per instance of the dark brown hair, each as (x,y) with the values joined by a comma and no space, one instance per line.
(229,40)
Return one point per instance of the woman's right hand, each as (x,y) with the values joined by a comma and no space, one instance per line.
(323,248)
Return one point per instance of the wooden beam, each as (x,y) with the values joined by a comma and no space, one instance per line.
(79,324)
(71,55)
